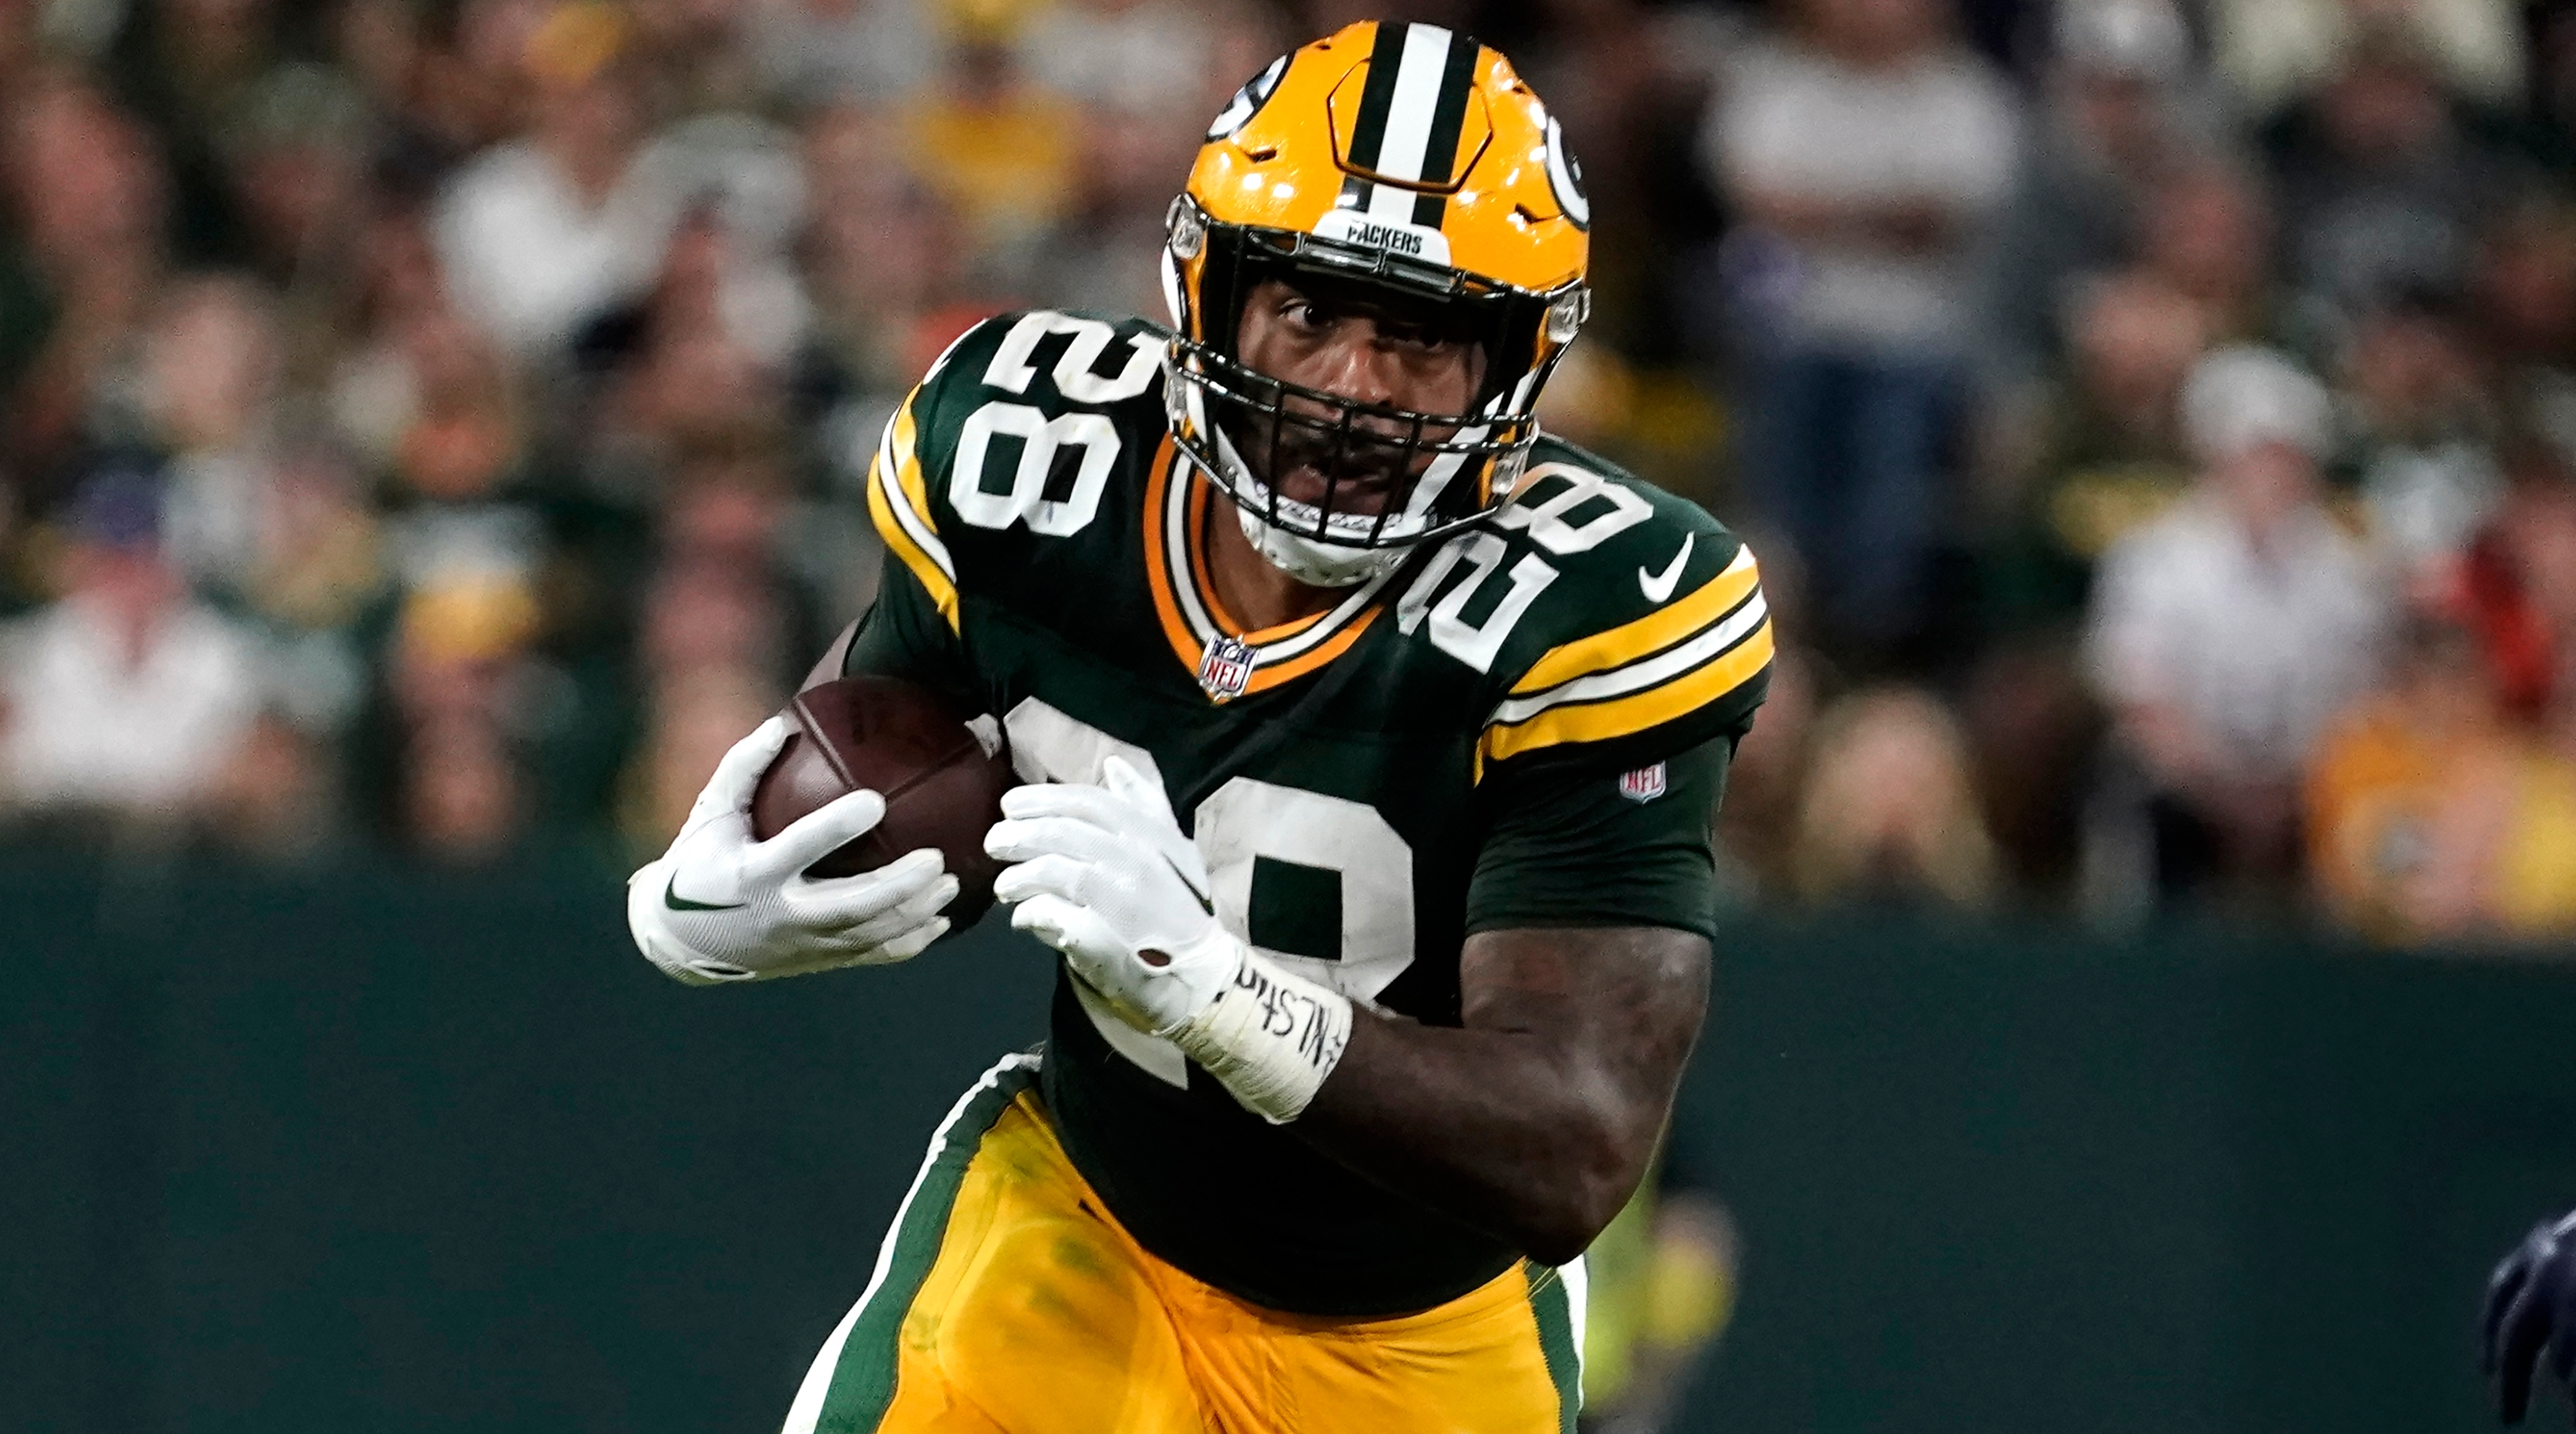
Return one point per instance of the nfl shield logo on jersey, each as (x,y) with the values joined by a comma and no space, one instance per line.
(1225,669)
(1644,784)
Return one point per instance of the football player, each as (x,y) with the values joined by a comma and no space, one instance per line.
(1372,738)
(2531,1310)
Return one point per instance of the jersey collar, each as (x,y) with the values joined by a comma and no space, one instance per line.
(1177,505)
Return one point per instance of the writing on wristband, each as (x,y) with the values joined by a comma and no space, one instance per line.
(1270,1037)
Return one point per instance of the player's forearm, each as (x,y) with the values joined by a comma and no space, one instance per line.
(1535,1122)
(1484,1126)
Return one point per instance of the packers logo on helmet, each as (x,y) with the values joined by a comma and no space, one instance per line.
(1405,158)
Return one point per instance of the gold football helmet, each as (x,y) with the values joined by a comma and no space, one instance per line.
(1399,156)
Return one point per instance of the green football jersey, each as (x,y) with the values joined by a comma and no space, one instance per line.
(1524,724)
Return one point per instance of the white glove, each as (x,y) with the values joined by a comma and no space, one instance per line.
(719,906)
(1105,876)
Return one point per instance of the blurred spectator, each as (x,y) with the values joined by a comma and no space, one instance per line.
(1105,257)
(1757,824)
(2422,434)
(2106,455)
(2228,632)
(884,262)
(210,376)
(719,639)
(2119,115)
(127,699)
(543,233)
(2209,235)
(1631,82)
(1003,154)
(2105,458)
(88,194)
(1889,813)
(687,731)
(464,801)
(2382,185)
(319,561)
(1867,151)
(824,51)
(2385,772)
(294,145)
(2273,51)
(375,389)
(2034,732)
(2498,852)
(2523,315)
(453,422)
(471,73)
(702,357)
(1151,58)
(186,66)
(464,698)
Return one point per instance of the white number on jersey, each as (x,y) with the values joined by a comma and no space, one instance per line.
(1546,520)
(1240,822)
(1010,370)
(1040,438)
(1473,643)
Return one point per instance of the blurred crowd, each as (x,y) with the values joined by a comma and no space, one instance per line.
(439,425)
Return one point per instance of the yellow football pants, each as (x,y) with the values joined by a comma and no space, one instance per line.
(1006,1301)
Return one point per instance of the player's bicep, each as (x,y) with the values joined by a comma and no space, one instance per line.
(1627,978)
(1621,1007)
(1572,844)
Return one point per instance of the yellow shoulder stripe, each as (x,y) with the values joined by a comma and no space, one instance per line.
(1626,716)
(894,476)
(907,472)
(1654,632)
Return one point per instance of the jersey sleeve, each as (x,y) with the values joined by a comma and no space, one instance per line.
(902,634)
(899,501)
(1663,643)
(914,629)
(964,486)
(1573,846)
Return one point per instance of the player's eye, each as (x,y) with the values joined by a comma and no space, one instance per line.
(1304,313)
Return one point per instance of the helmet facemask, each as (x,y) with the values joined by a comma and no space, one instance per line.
(1333,489)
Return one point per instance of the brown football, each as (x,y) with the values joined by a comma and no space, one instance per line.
(941,786)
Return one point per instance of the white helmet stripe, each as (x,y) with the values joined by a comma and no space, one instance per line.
(1417,99)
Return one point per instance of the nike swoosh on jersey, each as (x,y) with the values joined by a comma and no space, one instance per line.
(1659,586)
(672,898)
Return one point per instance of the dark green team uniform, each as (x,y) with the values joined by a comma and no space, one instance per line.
(1525,724)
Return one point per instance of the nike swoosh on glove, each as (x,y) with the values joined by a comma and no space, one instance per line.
(720,906)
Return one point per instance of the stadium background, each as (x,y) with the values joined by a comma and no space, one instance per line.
(431,430)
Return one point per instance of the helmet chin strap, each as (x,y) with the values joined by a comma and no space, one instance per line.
(1318,564)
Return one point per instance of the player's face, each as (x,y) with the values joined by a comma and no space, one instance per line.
(1372,352)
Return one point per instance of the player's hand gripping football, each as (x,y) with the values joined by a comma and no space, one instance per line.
(2531,1308)
(720,906)
(1104,875)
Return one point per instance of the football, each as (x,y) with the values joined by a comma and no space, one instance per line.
(942,781)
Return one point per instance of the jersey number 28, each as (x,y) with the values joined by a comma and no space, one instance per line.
(1240,824)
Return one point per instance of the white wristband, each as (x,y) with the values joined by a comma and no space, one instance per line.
(1270,1037)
